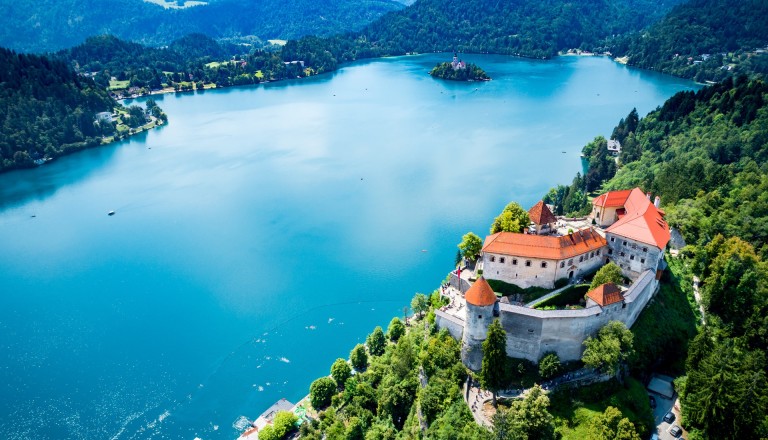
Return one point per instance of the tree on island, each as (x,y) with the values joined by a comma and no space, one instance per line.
(494,359)
(470,246)
(512,219)
(376,342)
(610,273)
(612,346)
(470,72)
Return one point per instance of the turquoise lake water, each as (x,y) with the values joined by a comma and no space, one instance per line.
(267,230)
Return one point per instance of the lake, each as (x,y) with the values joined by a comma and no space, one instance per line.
(266,230)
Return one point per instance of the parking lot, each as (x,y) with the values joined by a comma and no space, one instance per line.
(664,405)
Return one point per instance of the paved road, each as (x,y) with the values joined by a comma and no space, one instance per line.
(664,405)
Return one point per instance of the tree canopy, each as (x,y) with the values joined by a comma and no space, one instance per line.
(492,375)
(376,342)
(610,273)
(611,347)
(512,219)
(470,246)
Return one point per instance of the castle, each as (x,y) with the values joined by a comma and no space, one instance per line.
(624,227)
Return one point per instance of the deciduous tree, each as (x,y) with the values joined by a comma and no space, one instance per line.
(470,246)
(612,346)
(494,359)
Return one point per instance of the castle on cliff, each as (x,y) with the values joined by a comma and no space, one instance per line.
(624,227)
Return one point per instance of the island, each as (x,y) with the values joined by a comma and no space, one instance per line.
(458,70)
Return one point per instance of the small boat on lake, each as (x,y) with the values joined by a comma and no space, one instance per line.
(111,213)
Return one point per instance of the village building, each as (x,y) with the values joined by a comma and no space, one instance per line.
(614,147)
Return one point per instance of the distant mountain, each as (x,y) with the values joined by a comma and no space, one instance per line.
(46,25)
(702,39)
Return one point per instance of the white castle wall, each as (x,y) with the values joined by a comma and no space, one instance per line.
(632,256)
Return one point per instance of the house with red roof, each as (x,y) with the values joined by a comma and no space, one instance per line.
(635,229)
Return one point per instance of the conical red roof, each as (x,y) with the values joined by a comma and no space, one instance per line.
(480,294)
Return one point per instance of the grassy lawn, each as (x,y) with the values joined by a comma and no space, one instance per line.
(118,85)
(668,323)
(569,297)
(574,409)
(529,294)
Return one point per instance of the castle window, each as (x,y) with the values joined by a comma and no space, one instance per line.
(591,255)
(645,249)
(598,252)
(501,260)
(642,260)
(612,239)
(634,246)
(530,330)
(562,264)
(493,258)
(625,242)
(623,305)
(514,261)
(479,316)
(610,251)
(581,258)
(621,253)
(570,261)
(544,264)
(631,257)
(527,263)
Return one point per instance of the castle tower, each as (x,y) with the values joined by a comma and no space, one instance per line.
(480,300)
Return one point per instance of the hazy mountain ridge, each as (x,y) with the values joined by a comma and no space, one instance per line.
(45,25)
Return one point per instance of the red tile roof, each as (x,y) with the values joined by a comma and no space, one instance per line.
(642,221)
(542,246)
(606,294)
(612,199)
(480,294)
(540,214)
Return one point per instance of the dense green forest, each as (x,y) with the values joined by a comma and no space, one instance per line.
(45,25)
(707,40)
(47,110)
(469,72)
(706,155)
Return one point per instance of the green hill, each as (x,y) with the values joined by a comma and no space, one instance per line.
(702,39)
(47,110)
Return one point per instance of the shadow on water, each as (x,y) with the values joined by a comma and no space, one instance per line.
(20,186)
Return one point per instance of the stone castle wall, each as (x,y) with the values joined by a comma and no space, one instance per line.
(532,332)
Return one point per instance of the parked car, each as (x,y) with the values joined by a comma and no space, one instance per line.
(669,417)
(653,401)
(675,431)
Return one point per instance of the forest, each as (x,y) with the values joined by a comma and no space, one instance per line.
(705,154)
(706,40)
(47,110)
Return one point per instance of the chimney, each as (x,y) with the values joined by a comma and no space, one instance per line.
(657,201)
(648,196)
